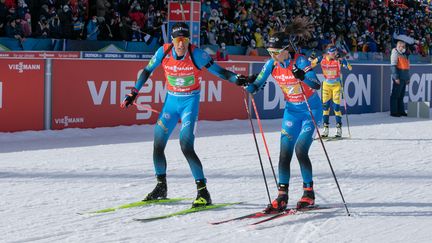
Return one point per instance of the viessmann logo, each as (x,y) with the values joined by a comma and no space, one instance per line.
(234,68)
(176,69)
(21,67)
(178,11)
(284,77)
(66,120)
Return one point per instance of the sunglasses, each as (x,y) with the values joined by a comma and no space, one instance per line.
(177,40)
(276,52)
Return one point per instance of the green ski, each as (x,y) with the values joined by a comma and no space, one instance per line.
(188,211)
(138,204)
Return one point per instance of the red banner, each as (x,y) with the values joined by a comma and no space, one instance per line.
(88,93)
(21,95)
(176,13)
(36,54)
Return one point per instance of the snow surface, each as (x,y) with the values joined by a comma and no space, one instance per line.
(47,177)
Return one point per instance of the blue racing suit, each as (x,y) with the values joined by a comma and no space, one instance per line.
(182,101)
(297,126)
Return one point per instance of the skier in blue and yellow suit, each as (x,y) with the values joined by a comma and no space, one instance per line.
(182,63)
(297,81)
(332,89)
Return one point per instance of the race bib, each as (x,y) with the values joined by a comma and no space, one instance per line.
(181,81)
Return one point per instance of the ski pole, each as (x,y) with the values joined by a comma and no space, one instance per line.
(325,150)
(345,105)
(343,97)
(256,144)
(144,107)
(263,137)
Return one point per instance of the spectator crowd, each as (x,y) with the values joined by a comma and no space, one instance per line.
(357,26)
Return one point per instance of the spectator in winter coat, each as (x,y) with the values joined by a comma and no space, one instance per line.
(222,54)
(26,25)
(136,15)
(212,37)
(42,28)
(104,30)
(136,34)
(206,10)
(55,28)
(14,30)
(102,7)
(252,49)
(124,30)
(259,40)
(66,22)
(22,9)
(400,77)
(92,29)
(78,28)
(215,17)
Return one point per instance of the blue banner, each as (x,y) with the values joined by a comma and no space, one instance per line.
(112,46)
(362,88)
(116,55)
(420,86)
(31,44)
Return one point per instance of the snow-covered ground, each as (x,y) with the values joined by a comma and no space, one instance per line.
(46,178)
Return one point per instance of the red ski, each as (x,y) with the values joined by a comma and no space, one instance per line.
(248,216)
(290,211)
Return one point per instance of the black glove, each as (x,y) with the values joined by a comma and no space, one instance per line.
(251,78)
(129,98)
(298,73)
(242,80)
(312,56)
(245,81)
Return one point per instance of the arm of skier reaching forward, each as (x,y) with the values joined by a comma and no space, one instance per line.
(203,59)
(257,82)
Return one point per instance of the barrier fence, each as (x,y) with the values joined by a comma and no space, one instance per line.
(57,90)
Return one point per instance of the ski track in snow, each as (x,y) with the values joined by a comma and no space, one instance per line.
(47,177)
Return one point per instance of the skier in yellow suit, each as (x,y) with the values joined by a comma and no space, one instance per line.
(331,65)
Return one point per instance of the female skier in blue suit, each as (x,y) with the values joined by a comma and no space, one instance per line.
(297,81)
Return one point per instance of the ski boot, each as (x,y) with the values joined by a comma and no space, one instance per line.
(308,198)
(280,203)
(338,130)
(203,196)
(325,132)
(160,191)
